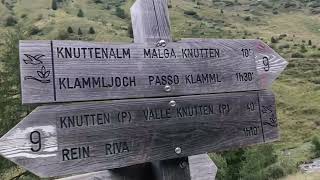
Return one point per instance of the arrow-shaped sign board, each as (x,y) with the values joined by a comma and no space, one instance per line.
(85,137)
(64,71)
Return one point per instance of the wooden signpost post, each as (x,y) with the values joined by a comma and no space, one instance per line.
(200,95)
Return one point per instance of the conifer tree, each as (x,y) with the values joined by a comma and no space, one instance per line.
(80,13)
(54,5)
(91,30)
(79,32)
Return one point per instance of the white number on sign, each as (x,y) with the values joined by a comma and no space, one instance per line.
(266,63)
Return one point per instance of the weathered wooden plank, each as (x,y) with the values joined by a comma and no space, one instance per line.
(86,137)
(136,172)
(202,167)
(150,21)
(52,72)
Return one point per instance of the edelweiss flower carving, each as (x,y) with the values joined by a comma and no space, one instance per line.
(43,74)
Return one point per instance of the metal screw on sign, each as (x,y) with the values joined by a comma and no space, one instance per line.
(167,88)
(178,150)
(161,43)
(172,103)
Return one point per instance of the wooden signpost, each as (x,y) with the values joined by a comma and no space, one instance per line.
(120,133)
(62,71)
(200,95)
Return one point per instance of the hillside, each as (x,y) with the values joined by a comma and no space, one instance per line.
(292,28)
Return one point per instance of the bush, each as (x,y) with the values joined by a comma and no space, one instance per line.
(297,55)
(79,32)
(11,110)
(120,13)
(281,36)
(10,21)
(34,30)
(80,13)
(247,18)
(303,49)
(315,4)
(316,145)
(97,1)
(275,171)
(23,16)
(190,13)
(284,46)
(256,160)
(130,31)
(91,30)
(315,55)
(221,164)
(70,30)
(62,35)
(274,40)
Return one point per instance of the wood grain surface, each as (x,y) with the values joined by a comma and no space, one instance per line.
(86,137)
(64,71)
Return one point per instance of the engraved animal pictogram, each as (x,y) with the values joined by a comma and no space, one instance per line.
(35,60)
(272,121)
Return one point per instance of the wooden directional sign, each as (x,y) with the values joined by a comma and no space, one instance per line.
(86,137)
(62,71)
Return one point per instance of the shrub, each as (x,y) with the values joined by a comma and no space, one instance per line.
(247,18)
(274,40)
(281,36)
(54,5)
(130,31)
(120,13)
(275,171)
(69,30)
(303,49)
(10,21)
(222,165)
(39,17)
(23,16)
(190,13)
(315,55)
(80,13)
(34,30)
(79,32)
(297,55)
(62,35)
(315,4)
(91,30)
(316,145)
(97,1)
(255,162)
(284,46)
